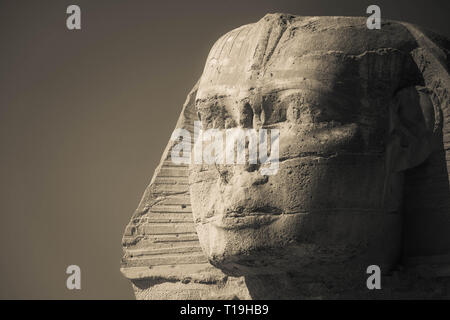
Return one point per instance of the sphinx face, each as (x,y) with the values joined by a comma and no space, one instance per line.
(327,192)
(332,199)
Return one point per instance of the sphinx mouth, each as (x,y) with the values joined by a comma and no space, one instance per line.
(244,217)
(242,211)
(240,221)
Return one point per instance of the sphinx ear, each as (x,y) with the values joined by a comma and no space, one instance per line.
(412,128)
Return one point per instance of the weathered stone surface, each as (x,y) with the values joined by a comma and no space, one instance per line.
(162,255)
(363,179)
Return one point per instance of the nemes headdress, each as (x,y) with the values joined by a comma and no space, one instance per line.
(402,63)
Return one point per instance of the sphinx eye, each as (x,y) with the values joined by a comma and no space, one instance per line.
(245,115)
(273,110)
(213,116)
(293,113)
(204,113)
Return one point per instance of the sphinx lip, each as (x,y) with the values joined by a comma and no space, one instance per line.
(237,220)
(241,211)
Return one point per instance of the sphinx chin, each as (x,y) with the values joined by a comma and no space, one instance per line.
(290,244)
(256,244)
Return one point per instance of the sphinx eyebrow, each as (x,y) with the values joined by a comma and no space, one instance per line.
(296,85)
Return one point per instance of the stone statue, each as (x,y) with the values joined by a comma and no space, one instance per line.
(364,152)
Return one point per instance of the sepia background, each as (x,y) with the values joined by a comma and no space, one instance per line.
(85,116)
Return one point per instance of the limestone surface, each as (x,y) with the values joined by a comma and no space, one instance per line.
(364,156)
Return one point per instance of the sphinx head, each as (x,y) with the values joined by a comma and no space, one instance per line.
(353,113)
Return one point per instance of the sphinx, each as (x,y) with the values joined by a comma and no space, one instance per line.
(364,152)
